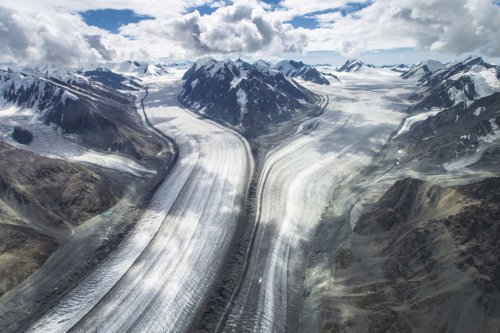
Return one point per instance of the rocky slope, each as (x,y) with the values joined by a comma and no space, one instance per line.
(251,97)
(418,259)
(47,204)
(455,118)
(41,201)
(457,132)
(410,244)
(86,105)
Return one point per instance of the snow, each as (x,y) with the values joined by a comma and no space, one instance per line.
(432,65)
(485,84)
(462,162)
(262,63)
(242,101)
(457,95)
(285,67)
(134,68)
(297,179)
(194,83)
(467,160)
(67,95)
(410,121)
(485,80)
(492,137)
(478,111)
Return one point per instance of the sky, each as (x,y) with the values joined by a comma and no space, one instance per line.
(72,33)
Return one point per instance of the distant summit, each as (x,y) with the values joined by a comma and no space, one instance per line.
(297,69)
(354,65)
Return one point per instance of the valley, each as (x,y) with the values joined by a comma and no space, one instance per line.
(251,198)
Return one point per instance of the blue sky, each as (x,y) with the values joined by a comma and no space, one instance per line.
(111,19)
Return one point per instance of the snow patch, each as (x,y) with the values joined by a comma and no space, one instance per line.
(462,162)
(478,111)
(194,83)
(410,121)
(242,101)
(67,95)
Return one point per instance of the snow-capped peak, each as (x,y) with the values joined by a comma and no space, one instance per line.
(354,65)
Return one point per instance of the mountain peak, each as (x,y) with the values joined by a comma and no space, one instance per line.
(353,65)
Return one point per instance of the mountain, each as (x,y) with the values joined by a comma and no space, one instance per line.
(458,135)
(456,121)
(262,63)
(297,69)
(100,116)
(401,68)
(461,81)
(422,69)
(245,95)
(139,68)
(110,79)
(420,240)
(354,65)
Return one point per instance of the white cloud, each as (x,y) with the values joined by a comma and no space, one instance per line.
(470,26)
(53,31)
(154,8)
(243,27)
(37,39)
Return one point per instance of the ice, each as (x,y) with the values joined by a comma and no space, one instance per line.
(295,185)
(159,277)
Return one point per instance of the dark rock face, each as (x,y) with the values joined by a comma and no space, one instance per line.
(392,209)
(469,116)
(24,251)
(244,95)
(22,135)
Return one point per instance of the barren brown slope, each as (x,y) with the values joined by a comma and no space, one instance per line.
(41,200)
(423,258)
